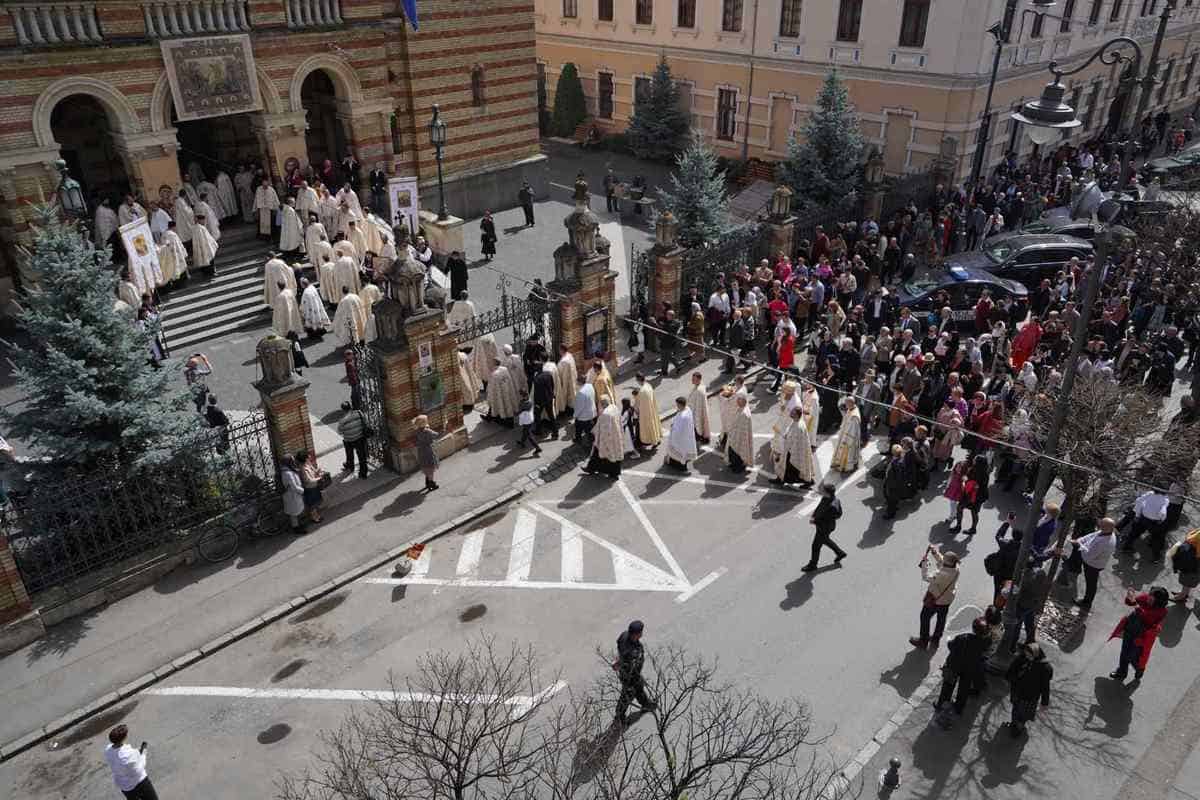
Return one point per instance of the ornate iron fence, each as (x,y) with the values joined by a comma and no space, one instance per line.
(742,246)
(914,188)
(524,316)
(808,220)
(64,527)
(366,394)
(641,274)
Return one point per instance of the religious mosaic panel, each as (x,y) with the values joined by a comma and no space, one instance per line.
(211,76)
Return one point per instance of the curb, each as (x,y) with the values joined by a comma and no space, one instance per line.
(29,740)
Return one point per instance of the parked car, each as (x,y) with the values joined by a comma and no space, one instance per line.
(963,286)
(1027,258)
(1056,220)
(1180,166)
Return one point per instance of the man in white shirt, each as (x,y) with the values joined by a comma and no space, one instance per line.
(584,407)
(1149,512)
(128,766)
(1090,555)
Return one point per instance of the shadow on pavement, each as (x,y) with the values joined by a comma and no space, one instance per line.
(906,676)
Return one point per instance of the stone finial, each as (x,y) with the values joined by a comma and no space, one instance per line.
(781,202)
(389,321)
(581,193)
(666,231)
(582,228)
(405,281)
(275,360)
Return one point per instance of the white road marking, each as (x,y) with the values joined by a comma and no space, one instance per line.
(520,557)
(476,583)
(343,695)
(699,585)
(472,551)
(845,483)
(572,553)
(640,513)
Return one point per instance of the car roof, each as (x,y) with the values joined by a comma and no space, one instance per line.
(1023,240)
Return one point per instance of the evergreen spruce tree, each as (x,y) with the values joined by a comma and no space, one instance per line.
(92,397)
(697,196)
(659,125)
(570,107)
(827,166)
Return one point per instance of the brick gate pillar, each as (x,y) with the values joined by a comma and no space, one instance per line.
(283,398)
(420,376)
(19,623)
(668,265)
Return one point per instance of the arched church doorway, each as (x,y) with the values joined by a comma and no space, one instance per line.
(213,144)
(83,131)
(325,138)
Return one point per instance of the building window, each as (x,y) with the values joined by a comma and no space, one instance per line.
(1187,75)
(1076,93)
(644,12)
(1035,30)
(1068,12)
(1093,103)
(731,16)
(606,95)
(789,18)
(1148,7)
(849,20)
(913,21)
(604,10)
(1115,13)
(476,85)
(686,15)
(641,90)
(1166,81)
(541,86)
(1094,14)
(570,9)
(726,114)
(1010,15)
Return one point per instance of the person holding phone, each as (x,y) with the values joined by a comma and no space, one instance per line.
(128,766)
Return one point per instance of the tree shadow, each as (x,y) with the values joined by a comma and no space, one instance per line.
(774,505)
(1112,708)
(591,756)
(59,639)
(402,505)
(334,356)
(906,676)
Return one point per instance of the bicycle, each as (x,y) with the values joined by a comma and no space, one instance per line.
(221,540)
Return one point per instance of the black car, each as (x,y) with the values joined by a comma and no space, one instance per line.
(963,286)
(1056,220)
(1027,258)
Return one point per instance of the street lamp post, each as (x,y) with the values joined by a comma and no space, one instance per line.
(70,194)
(1001,32)
(437,137)
(1047,116)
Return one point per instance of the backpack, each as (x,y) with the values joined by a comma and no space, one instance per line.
(991,563)
(1184,558)
(835,510)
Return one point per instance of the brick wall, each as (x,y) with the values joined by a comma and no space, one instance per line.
(14,601)
(287,412)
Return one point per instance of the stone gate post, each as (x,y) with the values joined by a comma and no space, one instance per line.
(781,225)
(283,398)
(668,265)
(19,623)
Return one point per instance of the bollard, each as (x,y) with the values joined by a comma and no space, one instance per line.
(889,778)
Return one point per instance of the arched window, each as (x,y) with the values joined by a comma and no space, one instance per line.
(477,85)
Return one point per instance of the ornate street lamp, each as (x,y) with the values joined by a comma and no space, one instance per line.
(437,137)
(70,193)
(1048,115)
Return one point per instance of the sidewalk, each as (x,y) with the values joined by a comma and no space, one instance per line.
(1097,740)
(89,662)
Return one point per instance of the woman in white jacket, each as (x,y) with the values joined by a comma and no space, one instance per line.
(293,493)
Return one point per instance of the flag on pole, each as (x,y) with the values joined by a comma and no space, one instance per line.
(410,10)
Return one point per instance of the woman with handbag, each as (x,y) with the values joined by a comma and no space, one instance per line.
(293,493)
(313,479)
(940,571)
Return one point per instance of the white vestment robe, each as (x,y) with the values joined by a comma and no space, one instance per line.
(127,214)
(326,279)
(698,405)
(129,294)
(502,394)
(566,383)
(158,224)
(211,221)
(244,183)
(649,425)
(214,197)
(285,315)
(608,435)
(741,437)
(312,242)
(266,201)
(275,271)
(469,380)
(291,235)
(185,218)
(172,257)
(312,310)
(189,191)
(484,354)
(681,444)
(104,225)
(346,276)
(357,237)
(227,194)
(204,247)
(461,311)
(350,320)
(307,203)
(849,442)
(797,451)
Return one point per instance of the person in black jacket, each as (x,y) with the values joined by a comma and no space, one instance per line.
(377,180)
(1029,678)
(1002,564)
(456,265)
(525,198)
(895,481)
(964,662)
(628,666)
(824,519)
(543,400)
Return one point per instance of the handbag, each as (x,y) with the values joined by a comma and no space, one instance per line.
(325,481)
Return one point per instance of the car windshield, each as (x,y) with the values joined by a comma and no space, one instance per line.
(1037,227)
(921,286)
(999,252)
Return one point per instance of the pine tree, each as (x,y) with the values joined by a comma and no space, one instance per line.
(827,166)
(697,197)
(570,107)
(659,125)
(92,397)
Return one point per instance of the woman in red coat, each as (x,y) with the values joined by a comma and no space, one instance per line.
(1026,342)
(1139,630)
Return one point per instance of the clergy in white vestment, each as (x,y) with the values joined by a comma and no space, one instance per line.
(370,294)
(516,367)
(461,312)
(209,189)
(345,215)
(468,379)
(276,270)
(307,201)
(483,354)
(343,247)
(796,463)
(188,190)
(739,443)
(346,275)
(204,247)
(314,233)
(329,291)
(649,424)
(350,319)
(727,407)
(849,442)
(266,203)
(681,443)
(211,221)
(104,224)
(565,381)
(350,198)
(172,255)
(244,183)
(601,378)
(285,314)
(291,235)
(195,172)
(128,293)
(358,237)
(502,397)
(607,448)
(811,403)
(159,219)
(227,194)
(312,310)
(185,218)
(328,208)
(129,211)
(789,399)
(697,402)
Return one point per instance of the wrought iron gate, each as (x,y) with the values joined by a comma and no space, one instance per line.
(742,247)
(525,316)
(366,394)
(641,273)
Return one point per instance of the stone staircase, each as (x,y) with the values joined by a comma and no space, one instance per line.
(207,308)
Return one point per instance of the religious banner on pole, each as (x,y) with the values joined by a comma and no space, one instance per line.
(142,252)
(211,76)
(402,194)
